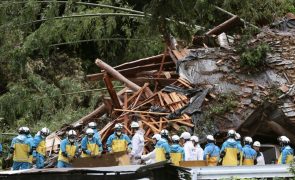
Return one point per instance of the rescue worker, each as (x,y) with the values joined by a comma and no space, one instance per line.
(211,151)
(137,143)
(238,139)
(93,126)
(68,150)
(91,146)
(21,149)
(162,149)
(287,153)
(198,152)
(31,141)
(259,158)
(177,152)
(39,146)
(188,146)
(249,154)
(150,158)
(118,141)
(165,134)
(230,153)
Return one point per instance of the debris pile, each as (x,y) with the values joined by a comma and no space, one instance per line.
(203,90)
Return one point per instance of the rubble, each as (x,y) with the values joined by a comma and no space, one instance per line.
(202,90)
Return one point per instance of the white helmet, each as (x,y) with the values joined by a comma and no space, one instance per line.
(72,136)
(231,133)
(21,130)
(26,130)
(284,139)
(210,138)
(118,126)
(256,144)
(92,125)
(238,136)
(89,131)
(281,138)
(72,133)
(248,139)
(195,138)
(134,124)
(175,138)
(164,132)
(44,132)
(185,135)
(157,137)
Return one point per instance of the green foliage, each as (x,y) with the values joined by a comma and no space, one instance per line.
(181,14)
(225,103)
(258,12)
(254,57)
(36,72)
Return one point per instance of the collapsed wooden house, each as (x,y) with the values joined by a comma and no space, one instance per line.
(202,90)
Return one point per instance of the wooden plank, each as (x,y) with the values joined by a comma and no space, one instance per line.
(108,104)
(144,61)
(177,54)
(167,100)
(143,112)
(193,163)
(161,123)
(223,27)
(155,122)
(136,100)
(161,100)
(138,92)
(111,91)
(176,100)
(127,129)
(106,160)
(154,129)
(183,83)
(110,70)
(185,123)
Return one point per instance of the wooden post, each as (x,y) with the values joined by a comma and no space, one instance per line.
(110,70)
(224,26)
(112,92)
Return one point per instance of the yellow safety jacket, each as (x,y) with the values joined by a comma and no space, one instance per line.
(175,158)
(70,150)
(160,154)
(248,162)
(289,159)
(93,148)
(212,161)
(41,149)
(21,152)
(119,145)
(230,158)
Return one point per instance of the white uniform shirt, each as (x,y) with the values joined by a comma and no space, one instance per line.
(149,158)
(198,153)
(260,159)
(137,143)
(188,150)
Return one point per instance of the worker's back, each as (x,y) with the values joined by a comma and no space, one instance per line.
(231,150)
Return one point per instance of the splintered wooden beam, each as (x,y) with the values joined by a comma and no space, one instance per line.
(138,92)
(134,70)
(112,92)
(223,27)
(110,70)
(143,112)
